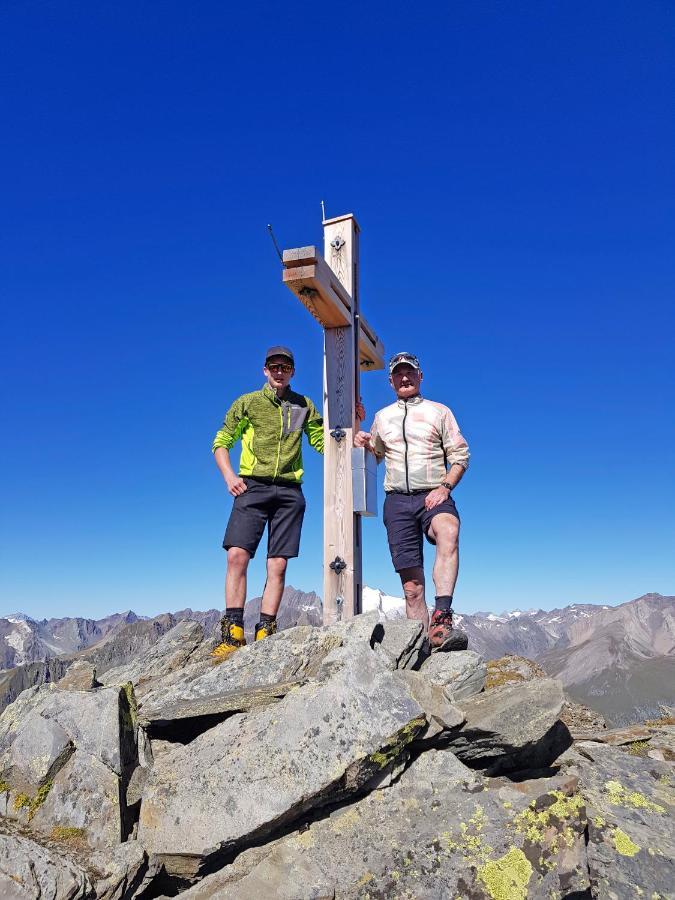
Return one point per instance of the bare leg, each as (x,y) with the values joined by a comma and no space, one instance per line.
(235,579)
(413,588)
(444,529)
(274,586)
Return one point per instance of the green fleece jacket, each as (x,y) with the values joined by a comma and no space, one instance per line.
(271,433)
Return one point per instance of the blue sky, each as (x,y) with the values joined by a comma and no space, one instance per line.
(511,167)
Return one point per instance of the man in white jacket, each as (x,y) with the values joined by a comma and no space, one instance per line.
(425,457)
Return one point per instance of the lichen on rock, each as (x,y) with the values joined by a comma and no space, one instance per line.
(618,795)
(507,878)
(623,844)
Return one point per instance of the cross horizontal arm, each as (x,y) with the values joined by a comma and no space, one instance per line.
(317,287)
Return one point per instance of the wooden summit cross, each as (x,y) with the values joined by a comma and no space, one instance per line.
(328,286)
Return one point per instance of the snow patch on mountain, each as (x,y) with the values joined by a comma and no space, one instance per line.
(374,600)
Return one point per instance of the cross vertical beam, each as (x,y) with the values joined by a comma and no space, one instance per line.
(342,585)
(328,286)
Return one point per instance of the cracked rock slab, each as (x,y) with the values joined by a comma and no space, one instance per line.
(256,771)
(436,833)
(292,655)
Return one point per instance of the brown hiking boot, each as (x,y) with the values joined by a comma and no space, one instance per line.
(442,636)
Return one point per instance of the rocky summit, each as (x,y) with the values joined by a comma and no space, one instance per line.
(327,762)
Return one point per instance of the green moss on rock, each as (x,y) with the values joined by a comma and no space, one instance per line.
(398,743)
(130,710)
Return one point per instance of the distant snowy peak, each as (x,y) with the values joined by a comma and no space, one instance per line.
(17,617)
(374,600)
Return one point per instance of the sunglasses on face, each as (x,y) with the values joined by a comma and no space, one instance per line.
(280,367)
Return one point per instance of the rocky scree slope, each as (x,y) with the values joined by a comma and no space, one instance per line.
(334,761)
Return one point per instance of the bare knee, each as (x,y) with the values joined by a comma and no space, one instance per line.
(238,559)
(446,534)
(276,566)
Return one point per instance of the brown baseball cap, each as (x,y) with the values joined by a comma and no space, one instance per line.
(280,351)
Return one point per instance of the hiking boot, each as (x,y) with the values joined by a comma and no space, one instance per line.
(233,638)
(442,636)
(265,629)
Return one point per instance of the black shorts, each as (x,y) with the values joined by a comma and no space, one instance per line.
(406,519)
(279,506)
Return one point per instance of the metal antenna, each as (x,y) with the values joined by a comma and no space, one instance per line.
(274,241)
(323,212)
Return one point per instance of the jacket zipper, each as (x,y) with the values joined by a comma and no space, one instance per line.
(281,434)
(405,441)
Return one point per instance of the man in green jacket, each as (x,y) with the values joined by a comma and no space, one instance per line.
(270,423)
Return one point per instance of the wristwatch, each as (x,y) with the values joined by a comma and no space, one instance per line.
(447,486)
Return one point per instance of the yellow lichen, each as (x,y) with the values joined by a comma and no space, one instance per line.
(533,824)
(397,743)
(130,711)
(507,878)
(619,796)
(21,801)
(32,804)
(599,822)
(4,786)
(623,844)
(67,835)
(638,748)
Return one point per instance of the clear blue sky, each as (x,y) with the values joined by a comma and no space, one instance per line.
(511,166)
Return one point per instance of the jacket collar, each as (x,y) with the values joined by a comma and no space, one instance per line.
(418,398)
(272,395)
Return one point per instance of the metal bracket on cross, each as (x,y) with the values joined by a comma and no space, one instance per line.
(329,288)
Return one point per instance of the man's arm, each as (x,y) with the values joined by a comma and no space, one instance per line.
(235,484)
(233,428)
(371,440)
(457,456)
(313,427)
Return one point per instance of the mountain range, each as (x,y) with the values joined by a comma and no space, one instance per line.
(619,660)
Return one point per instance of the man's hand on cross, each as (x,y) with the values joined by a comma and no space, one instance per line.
(362,439)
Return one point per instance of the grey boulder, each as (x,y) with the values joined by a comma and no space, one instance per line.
(256,771)
(29,871)
(512,727)
(463,672)
(631,820)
